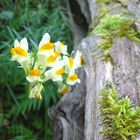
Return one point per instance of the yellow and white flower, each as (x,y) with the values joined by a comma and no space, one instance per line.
(60,47)
(53,59)
(34,75)
(36,91)
(73,63)
(69,62)
(48,61)
(48,64)
(19,52)
(46,47)
(72,79)
(41,62)
(56,72)
(64,89)
(78,59)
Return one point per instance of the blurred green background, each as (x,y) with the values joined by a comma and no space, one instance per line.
(20,117)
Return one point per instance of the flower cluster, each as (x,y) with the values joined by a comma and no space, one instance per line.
(51,61)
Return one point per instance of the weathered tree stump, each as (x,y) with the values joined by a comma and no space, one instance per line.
(76,115)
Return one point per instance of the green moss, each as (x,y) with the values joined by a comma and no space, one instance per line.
(111,27)
(120,119)
(106,1)
(124,3)
(115,26)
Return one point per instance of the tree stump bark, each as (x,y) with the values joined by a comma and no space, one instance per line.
(76,115)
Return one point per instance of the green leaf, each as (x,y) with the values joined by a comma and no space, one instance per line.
(6,15)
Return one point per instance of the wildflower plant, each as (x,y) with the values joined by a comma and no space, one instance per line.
(51,61)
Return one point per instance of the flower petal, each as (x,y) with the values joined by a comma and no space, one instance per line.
(60,47)
(78,59)
(16,43)
(24,44)
(34,75)
(48,74)
(45,39)
(64,89)
(36,91)
(73,79)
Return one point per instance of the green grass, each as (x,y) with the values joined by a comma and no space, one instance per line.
(20,117)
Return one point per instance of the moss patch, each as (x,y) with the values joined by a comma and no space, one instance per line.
(120,119)
(106,1)
(112,27)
